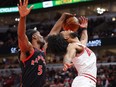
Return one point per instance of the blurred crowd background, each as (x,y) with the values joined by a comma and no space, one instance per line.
(102,40)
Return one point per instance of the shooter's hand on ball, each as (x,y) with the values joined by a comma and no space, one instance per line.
(83,22)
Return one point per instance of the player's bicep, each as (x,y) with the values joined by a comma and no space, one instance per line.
(84,42)
(24,44)
(71,52)
(84,37)
(79,48)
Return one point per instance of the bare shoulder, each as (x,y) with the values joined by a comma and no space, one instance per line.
(75,46)
(71,45)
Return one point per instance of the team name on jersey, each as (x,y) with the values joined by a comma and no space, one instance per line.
(40,67)
(37,59)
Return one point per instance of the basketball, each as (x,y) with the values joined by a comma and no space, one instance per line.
(72,23)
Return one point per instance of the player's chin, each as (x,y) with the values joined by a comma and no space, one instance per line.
(41,43)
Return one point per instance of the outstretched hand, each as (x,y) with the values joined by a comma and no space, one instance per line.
(23,9)
(83,22)
(66,15)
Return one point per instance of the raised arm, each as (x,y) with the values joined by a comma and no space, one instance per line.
(71,52)
(58,25)
(83,26)
(23,42)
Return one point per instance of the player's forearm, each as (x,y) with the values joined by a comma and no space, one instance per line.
(71,52)
(67,62)
(21,27)
(57,27)
(68,58)
(84,36)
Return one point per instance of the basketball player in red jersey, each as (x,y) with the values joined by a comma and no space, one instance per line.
(76,53)
(30,42)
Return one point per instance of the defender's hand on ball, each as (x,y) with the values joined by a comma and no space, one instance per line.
(73,23)
(83,22)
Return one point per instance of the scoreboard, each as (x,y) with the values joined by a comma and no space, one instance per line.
(40,5)
(61,2)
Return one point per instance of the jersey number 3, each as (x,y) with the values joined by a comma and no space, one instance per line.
(40,71)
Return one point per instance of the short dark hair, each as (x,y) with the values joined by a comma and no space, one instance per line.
(73,34)
(29,34)
(56,44)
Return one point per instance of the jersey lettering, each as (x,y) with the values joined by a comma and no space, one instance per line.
(37,59)
(32,62)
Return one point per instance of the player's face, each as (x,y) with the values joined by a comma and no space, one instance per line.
(39,37)
(66,34)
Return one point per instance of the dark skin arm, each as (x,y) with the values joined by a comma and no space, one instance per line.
(23,42)
(58,25)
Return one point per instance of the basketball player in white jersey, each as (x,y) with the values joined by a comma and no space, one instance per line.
(77,54)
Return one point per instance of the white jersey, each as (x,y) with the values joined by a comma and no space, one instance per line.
(85,63)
